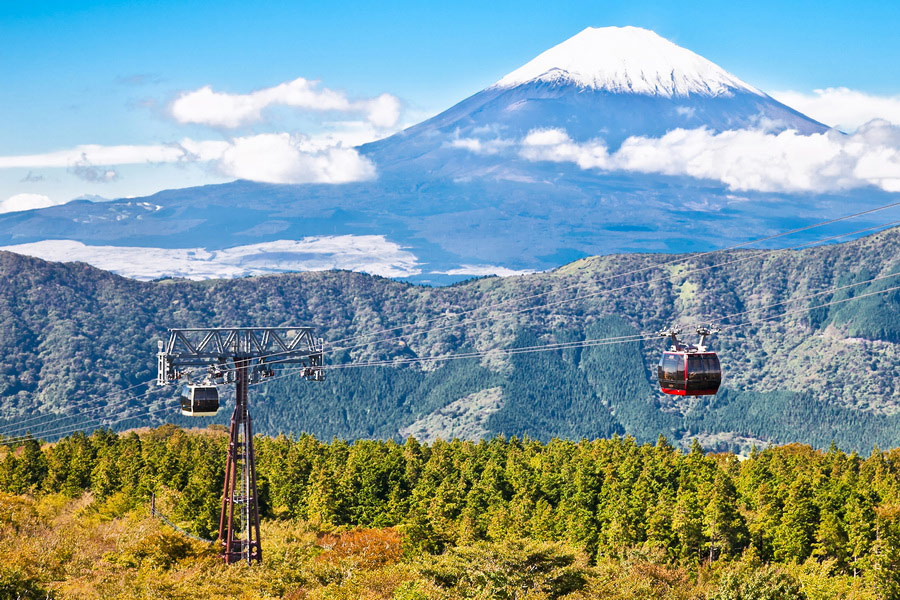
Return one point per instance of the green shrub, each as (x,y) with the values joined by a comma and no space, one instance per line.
(758,582)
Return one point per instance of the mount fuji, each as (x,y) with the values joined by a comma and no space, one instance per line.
(611,83)
(466,192)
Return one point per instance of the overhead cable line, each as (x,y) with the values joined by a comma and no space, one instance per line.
(647,268)
(822,293)
(756,256)
(17,424)
(574,344)
(68,429)
(809,308)
(593,294)
(509,351)
(18,429)
(168,522)
(604,341)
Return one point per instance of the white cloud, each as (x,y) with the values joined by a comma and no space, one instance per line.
(546,137)
(283,158)
(97,155)
(483,270)
(220,109)
(25,202)
(556,145)
(843,108)
(200,150)
(367,253)
(269,157)
(479,146)
(382,111)
(742,159)
(348,134)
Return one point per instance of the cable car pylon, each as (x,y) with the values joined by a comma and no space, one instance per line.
(241,356)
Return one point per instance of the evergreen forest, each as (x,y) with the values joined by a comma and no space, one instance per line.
(499,518)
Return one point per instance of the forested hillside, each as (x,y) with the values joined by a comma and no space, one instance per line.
(72,334)
(494,519)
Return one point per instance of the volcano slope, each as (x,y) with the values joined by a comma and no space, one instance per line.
(73,334)
(482,187)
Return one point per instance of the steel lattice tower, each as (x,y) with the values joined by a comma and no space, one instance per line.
(241,356)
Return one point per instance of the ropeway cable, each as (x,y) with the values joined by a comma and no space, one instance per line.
(17,424)
(756,256)
(57,418)
(576,298)
(555,346)
(17,431)
(598,341)
(60,431)
(606,341)
(524,350)
(68,429)
(809,308)
(599,293)
(686,258)
(643,269)
(813,295)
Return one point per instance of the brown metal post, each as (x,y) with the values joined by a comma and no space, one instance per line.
(229,478)
(240,452)
(254,501)
(226,517)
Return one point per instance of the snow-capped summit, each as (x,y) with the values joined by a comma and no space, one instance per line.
(627,59)
(607,83)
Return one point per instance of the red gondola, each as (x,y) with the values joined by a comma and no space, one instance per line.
(686,370)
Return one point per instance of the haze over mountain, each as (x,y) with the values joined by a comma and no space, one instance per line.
(615,140)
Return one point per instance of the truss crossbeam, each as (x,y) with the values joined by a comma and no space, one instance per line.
(263,347)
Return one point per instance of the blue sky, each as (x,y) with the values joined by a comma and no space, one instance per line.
(107,73)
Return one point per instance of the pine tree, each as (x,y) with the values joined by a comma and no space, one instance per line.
(134,478)
(723,527)
(105,474)
(831,539)
(859,523)
(885,568)
(199,501)
(322,499)
(794,536)
(27,472)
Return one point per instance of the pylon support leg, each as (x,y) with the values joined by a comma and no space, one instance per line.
(239,518)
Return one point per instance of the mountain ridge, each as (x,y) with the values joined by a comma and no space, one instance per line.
(72,333)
